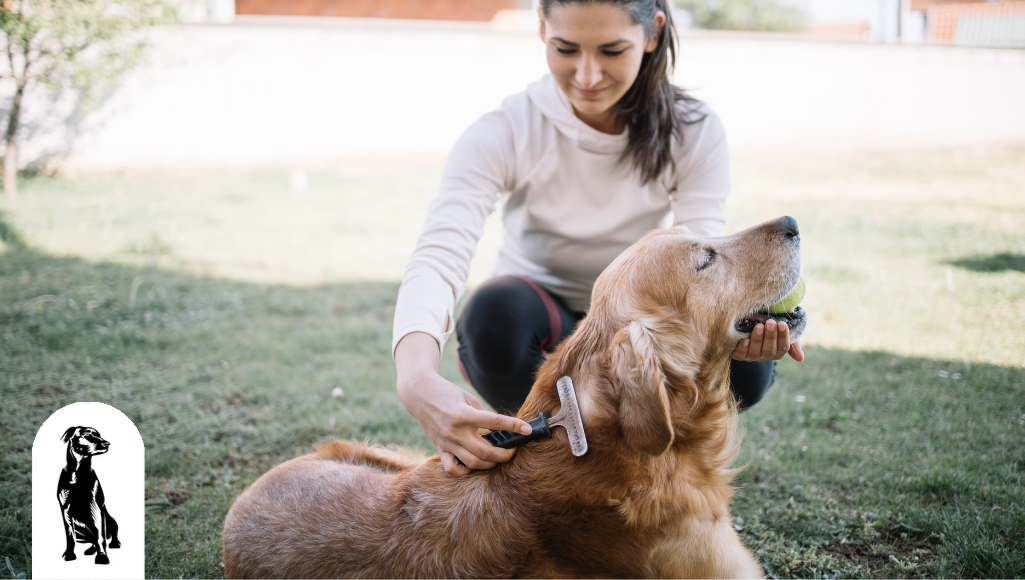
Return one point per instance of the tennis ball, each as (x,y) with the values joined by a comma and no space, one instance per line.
(791,301)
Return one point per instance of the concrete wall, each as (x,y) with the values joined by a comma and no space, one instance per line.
(300,92)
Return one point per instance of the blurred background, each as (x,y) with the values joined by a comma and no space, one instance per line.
(315,83)
(209,205)
(266,110)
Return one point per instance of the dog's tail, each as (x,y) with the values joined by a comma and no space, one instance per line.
(391,459)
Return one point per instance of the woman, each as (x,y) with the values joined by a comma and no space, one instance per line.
(590,157)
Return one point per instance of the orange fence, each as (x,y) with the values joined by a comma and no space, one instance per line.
(923,5)
(943,18)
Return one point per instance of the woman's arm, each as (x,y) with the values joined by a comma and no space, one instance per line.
(477,170)
(448,415)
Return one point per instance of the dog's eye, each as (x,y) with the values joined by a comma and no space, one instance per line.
(707,259)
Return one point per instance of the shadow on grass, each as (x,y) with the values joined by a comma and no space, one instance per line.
(8,235)
(224,380)
(885,456)
(1001,262)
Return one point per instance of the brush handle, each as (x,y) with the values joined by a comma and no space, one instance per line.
(508,439)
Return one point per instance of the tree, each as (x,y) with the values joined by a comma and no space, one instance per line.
(83,45)
(764,15)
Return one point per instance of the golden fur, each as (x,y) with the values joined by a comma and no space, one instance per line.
(649,499)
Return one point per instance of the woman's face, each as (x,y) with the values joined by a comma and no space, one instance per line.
(594,52)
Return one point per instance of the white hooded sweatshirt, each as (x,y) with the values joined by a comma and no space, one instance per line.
(571,206)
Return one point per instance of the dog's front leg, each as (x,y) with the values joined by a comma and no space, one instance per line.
(111,529)
(702,547)
(69,531)
(99,521)
(99,514)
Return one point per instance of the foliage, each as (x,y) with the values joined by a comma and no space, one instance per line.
(80,44)
(85,45)
(762,15)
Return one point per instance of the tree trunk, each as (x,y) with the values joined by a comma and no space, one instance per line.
(11,138)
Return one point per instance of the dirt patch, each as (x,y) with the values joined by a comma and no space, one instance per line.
(899,546)
(174,493)
(910,540)
(858,555)
(179,496)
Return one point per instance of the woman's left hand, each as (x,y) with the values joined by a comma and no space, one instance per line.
(769,341)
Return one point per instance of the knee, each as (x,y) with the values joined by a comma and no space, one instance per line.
(750,381)
(496,354)
(496,325)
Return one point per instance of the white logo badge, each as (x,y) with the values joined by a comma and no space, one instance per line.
(88,494)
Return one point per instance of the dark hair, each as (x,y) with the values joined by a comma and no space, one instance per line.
(650,107)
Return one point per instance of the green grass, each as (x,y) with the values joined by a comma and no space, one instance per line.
(883,456)
(250,226)
(223,380)
(914,255)
(896,450)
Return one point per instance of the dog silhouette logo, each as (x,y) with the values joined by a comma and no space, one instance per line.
(88,495)
(83,507)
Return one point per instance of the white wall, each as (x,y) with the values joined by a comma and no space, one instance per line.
(319,92)
(806,96)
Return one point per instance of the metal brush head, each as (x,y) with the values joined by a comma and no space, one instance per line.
(569,416)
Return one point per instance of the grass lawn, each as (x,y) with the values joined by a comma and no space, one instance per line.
(223,312)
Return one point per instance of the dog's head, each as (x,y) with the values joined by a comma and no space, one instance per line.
(85,441)
(719,286)
(675,305)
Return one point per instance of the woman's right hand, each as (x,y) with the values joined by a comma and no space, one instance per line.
(448,415)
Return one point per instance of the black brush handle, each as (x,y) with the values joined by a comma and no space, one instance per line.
(508,439)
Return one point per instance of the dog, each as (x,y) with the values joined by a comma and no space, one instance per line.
(650,363)
(83,507)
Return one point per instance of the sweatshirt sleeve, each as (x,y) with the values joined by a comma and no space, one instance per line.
(703,177)
(478,169)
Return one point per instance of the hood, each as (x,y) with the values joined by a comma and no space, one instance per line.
(546,95)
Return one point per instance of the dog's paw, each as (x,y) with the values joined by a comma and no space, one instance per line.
(114,544)
(90,551)
(102,559)
(69,556)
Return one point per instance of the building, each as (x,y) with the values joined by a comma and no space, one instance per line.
(983,23)
(989,23)
(973,22)
(412,9)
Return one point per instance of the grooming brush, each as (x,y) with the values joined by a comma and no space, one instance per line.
(568,418)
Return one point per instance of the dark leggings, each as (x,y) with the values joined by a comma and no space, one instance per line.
(509,325)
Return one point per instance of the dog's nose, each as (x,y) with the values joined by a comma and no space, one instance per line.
(788,227)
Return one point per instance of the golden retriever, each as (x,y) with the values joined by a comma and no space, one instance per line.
(650,498)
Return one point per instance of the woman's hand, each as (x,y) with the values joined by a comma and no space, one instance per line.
(448,415)
(769,341)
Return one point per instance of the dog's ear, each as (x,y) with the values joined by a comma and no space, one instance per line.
(69,434)
(641,385)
